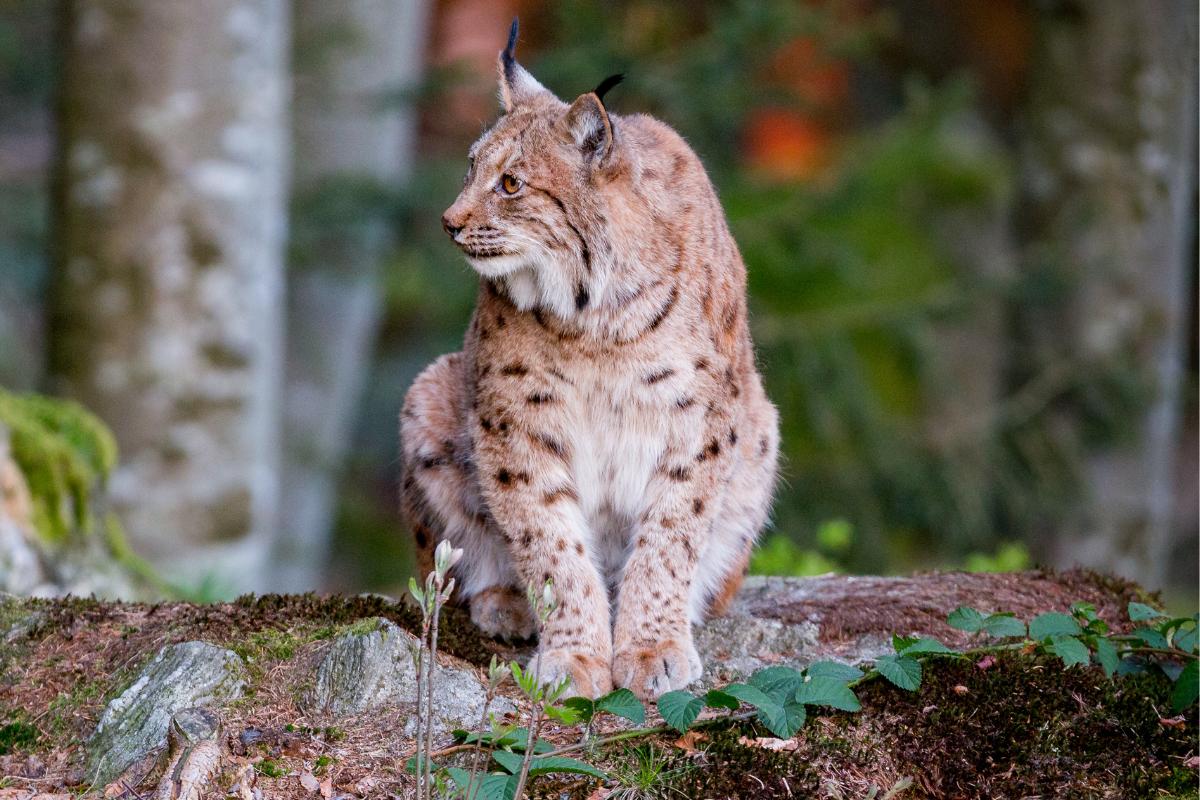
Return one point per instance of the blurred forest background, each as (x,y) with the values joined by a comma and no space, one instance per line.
(970,227)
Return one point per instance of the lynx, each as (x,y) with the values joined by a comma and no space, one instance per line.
(604,426)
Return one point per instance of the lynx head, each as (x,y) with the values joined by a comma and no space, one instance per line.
(530,212)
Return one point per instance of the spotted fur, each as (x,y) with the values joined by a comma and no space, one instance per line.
(604,426)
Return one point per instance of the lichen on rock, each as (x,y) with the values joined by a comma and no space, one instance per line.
(371,666)
(135,723)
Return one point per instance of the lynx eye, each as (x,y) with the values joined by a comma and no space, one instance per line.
(510,184)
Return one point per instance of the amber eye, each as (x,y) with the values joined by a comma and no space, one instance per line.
(509,184)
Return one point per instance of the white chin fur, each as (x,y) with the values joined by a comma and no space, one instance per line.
(497,266)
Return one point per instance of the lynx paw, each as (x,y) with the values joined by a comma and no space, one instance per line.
(503,613)
(651,669)
(590,676)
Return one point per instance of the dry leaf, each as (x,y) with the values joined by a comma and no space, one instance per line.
(687,743)
(770,743)
(1172,722)
(309,781)
(986,662)
(961,690)
(327,787)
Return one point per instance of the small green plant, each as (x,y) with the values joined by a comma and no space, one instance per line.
(430,599)
(645,774)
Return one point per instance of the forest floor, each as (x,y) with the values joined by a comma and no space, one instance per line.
(1019,726)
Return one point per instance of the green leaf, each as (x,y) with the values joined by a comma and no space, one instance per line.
(833,669)
(582,706)
(623,703)
(770,711)
(1003,626)
(679,709)
(1151,637)
(546,764)
(965,618)
(1053,623)
(509,761)
(925,645)
(719,699)
(564,714)
(1185,638)
(832,692)
(1084,611)
(1070,650)
(487,786)
(1187,688)
(904,671)
(1130,666)
(778,682)
(1138,612)
(902,643)
(795,714)
(1106,655)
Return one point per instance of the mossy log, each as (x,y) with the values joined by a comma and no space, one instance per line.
(324,702)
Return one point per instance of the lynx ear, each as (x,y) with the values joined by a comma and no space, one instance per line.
(590,127)
(516,84)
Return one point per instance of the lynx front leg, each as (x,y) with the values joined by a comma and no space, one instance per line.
(524,475)
(653,648)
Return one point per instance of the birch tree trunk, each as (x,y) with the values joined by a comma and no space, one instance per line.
(354,141)
(167,298)
(1109,174)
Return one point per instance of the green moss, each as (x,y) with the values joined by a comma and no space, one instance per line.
(16,736)
(65,454)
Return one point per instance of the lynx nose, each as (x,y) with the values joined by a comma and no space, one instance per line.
(449,227)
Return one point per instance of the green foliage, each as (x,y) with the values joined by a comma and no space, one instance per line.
(778,696)
(17,736)
(1045,626)
(679,709)
(65,454)
(1008,557)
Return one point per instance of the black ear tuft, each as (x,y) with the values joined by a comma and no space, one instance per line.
(606,84)
(510,50)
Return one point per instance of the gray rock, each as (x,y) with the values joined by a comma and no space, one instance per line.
(748,638)
(181,676)
(372,667)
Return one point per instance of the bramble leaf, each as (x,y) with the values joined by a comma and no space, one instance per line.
(1185,638)
(1106,655)
(1003,626)
(778,682)
(623,703)
(510,761)
(966,619)
(544,765)
(1070,650)
(1053,623)
(1139,612)
(1151,637)
(903,671)
(770,711)
(716,698)
(824,691)
(833,669)
(679,709)
(925,645)
(1187,688)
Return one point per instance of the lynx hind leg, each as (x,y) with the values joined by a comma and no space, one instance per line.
(440,501)
(745,508)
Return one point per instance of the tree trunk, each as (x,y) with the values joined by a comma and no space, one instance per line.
(1109,173)
(354,142)
(167,296)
